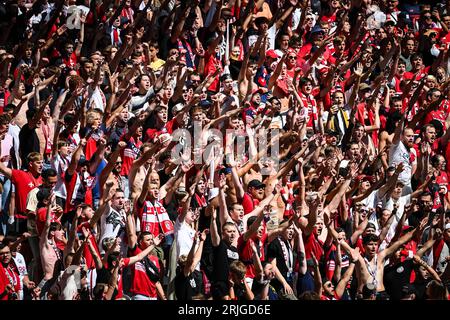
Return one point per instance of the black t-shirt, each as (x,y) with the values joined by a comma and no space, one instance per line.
(239,291)
(420,286)
(223,255)
(396,276)
(104,276)
(275,250)
(184,285)
(29,142)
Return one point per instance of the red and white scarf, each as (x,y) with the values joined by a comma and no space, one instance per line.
(155,216)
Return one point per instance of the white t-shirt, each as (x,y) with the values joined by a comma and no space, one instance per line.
(6,145)
(60,165)
(19,260)
(185,239)
(14,131)
(111,223)
(398,153)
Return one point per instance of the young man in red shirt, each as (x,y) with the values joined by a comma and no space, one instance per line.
(146,273)
(254,194)
(24,182)
(9,276)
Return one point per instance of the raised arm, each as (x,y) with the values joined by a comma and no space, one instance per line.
(141,255)
(404,239)
(76,157)
(48,218)
(195,255)
(215,237)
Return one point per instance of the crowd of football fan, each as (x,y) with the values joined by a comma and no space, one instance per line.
(224,149)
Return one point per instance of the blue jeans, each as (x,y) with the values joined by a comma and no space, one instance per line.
(6,197)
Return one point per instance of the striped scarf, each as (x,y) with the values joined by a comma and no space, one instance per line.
(155,218)
(336,122)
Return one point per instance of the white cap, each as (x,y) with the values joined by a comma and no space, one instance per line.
(447,226)
(177,108)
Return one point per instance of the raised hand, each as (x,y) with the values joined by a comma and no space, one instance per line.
(186,166)
(203,234)
(157,240)
(359,69)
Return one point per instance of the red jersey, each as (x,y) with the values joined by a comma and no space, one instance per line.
(90,264)
(24,182)
(91,144)
(140,283)
(9,275)
(313,245)
(246,253)
(169,127)
(210,67)
(249,203)
(41,216)
(129,154)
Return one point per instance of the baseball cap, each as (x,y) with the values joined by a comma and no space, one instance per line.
(363,86)
(371,225)
(272,54)
(317,29)
(177,108)
(256,184)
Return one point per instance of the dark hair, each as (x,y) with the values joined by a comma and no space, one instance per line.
(415,56)
(426,194)
(431,91)
(391,120)
(226,224)
(5,119)
(55,226)
(9,107)
(251,220)
(304,81)
(132,121)
(142,235)
(98,290)
(47,173)
(369,238)
(231,207)
(435,159)
(9,239)
(42,194)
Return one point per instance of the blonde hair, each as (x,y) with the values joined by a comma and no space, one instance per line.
(92,114)
(238,268)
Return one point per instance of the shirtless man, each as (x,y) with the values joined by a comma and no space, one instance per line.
(51,255)
(371,266)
